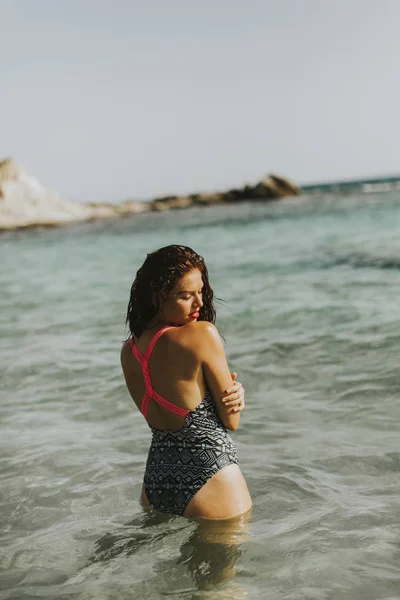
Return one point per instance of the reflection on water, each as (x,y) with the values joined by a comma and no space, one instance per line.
(131,537)
(209,551)
(213,550)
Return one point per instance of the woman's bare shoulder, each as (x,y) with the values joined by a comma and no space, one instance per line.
(194,334)
(125,351)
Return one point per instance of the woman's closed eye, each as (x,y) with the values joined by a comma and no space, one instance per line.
(188,296)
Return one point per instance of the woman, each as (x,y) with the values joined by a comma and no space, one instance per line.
(176,372)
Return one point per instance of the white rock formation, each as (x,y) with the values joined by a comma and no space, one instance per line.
(25,202)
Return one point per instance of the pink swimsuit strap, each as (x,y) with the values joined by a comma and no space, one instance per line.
(151,394)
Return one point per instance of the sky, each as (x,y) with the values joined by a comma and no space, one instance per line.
(104,100)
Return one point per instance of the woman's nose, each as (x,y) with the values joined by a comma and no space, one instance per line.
(198,301)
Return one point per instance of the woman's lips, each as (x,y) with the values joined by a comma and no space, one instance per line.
(195,315)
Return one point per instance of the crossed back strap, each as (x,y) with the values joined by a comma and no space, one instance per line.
(151,394)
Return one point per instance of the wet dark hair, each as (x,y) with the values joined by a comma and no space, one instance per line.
(157,277)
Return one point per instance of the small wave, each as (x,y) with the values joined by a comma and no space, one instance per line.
(359,260)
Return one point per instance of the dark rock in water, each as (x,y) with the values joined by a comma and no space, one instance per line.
(169,202)
(270,188)
(286,186)
(204,199)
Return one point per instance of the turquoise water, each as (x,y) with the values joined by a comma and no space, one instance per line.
(312,326)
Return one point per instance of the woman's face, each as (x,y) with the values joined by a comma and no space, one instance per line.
(185,300)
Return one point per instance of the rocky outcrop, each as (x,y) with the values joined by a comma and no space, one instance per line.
(170,202)
(274,187)
(24,202)
(107,210)
(270,188)
(9,171)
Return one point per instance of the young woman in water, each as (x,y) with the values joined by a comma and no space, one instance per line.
(176,371)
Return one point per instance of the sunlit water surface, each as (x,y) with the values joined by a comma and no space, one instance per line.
(312,326)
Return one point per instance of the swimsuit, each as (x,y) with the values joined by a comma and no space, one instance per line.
(181,461)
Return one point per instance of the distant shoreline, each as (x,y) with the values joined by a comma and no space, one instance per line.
(370,184)
(26,204)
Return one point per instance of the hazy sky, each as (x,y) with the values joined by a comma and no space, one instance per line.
(109,99)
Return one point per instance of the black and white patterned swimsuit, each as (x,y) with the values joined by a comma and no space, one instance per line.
(181,461)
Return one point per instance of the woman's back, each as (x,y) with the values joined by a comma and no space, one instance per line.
(194,443)
(175,373)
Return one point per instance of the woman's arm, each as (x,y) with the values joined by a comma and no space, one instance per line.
(216,370)
(234,397)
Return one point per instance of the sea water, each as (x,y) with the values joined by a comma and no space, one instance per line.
(310,317)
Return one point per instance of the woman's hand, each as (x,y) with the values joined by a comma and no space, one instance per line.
(234,396)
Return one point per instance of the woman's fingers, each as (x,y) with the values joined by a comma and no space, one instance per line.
(234,397)
(232,392)
(238,408)
(235,387)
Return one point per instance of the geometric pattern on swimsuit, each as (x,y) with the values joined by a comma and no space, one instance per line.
(180,462)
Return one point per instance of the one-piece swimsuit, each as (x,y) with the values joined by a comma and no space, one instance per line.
(181,461)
